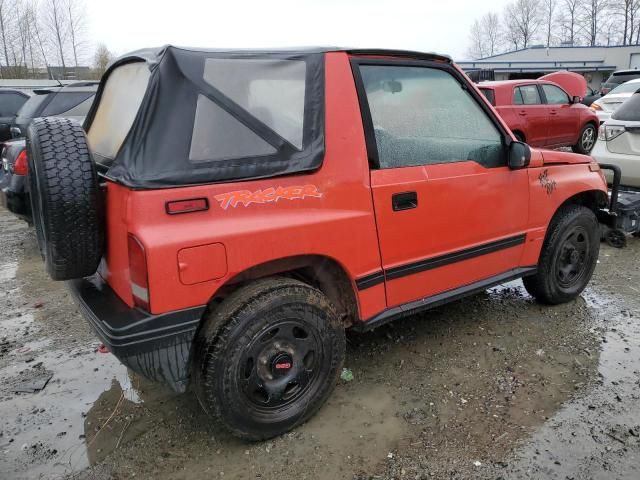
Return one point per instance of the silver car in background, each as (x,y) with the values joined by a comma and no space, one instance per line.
(606,105)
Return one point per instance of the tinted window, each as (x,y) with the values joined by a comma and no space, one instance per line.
(629,110)
(629,87)
(517,97)
(272,91)
(618,78)
(424,116)
(32,106)
(529,95)
(64,101)
(555,95)
(10,103)
(490,94)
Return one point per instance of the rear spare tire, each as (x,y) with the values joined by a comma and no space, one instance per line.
(65,198)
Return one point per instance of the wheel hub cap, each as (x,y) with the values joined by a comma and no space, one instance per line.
(279,364)
(572,260)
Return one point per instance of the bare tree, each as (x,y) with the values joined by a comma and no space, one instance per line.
(570,17)
(592,20)
(76,18)
(549,11)
(522,20)
(491,29)
(57,27)
(7,9)
(476,49)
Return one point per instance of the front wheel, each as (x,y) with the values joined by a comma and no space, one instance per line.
(568,258)
(587,140)
(268,357)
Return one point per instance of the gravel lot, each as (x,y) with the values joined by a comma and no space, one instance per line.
(494,386)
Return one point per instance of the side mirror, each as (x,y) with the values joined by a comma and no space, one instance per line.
(519,155)
(576,99)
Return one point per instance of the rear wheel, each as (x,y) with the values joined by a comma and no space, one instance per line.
(568,258)
(587,139)
(268,357)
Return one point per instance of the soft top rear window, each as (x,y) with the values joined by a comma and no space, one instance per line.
(629,110)
(208,116)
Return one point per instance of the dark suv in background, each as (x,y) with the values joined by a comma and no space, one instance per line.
(11,100)
(618,78)
(73,102)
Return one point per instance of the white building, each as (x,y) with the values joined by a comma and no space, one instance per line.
(595,63)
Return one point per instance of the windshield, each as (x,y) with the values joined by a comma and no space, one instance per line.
(629,87)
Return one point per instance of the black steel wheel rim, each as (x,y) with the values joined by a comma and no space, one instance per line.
(572,261)
(588,138)
(280,364)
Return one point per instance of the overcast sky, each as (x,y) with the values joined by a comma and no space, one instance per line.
(439,26)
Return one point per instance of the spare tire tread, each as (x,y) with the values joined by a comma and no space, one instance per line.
(67,201)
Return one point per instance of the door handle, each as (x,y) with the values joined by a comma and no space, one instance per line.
(523,113)
(553,112)
(404,201)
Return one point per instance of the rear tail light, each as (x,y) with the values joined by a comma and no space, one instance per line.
(609,132)
(20,167)
(138,273)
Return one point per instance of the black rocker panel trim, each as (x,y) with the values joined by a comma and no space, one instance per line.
(449,258)
(370,280)
(430,263)
(433,301)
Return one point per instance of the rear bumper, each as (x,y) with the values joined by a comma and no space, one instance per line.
(158,347)
(629,164)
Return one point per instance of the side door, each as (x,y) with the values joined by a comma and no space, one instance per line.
(449,212)
(564,121)
(528,105)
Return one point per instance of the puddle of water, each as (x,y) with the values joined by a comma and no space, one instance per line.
(591,435)
(54,418)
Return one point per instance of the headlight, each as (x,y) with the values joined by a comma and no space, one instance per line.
(595,107)
(609,132)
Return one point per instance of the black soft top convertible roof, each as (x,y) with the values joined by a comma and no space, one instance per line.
(220,115)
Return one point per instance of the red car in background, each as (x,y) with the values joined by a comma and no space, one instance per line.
(543,113)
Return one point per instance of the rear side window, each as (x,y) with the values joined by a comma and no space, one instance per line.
(526,95)
(32,106)
(555,95)
(270,90)
(490,94)
(424,116)
(629,110)
(10,103)
(629,87)
(63,101)
(618,78)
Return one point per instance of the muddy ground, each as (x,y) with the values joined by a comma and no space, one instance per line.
(494,386)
